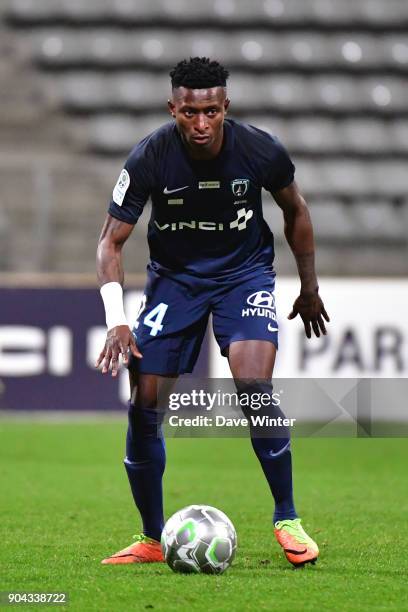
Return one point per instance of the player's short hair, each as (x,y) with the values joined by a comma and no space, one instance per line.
(198,73)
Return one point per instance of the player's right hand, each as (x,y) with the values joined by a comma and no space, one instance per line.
(119,341)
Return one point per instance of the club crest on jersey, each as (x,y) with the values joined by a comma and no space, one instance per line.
(239,187)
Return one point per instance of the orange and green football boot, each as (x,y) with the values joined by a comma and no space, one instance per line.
(298,547)
(143,550)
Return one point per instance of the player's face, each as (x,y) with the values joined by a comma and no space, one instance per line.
(199,115)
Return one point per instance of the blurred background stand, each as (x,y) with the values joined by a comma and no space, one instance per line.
(82,82)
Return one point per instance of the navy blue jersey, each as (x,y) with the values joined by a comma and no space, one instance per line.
(206,216)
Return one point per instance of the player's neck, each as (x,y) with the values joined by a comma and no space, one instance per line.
(201,154)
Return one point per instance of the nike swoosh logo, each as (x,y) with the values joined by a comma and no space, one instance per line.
(280,452)
(295,552)
(167,191)
(272,329)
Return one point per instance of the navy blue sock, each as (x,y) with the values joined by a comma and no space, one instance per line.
(145,462)
(271,444)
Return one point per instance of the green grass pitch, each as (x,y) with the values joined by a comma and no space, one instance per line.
(65,504)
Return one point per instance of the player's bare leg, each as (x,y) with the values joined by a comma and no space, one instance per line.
(252,363)
(145,462)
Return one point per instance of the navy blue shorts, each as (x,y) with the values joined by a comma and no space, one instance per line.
(174,312)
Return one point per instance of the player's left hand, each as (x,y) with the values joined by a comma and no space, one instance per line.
(311,309)
(119,341)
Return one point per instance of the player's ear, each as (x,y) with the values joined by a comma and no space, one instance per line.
(172,108)
(226,104)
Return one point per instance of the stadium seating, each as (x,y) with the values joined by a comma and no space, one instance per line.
(320,13)
(284,93)
(306,51)
(380,221)
(116,133)
(328,77)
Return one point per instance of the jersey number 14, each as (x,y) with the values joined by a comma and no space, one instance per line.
(154,318)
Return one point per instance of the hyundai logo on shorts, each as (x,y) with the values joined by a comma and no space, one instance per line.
(263,299)
(263,305)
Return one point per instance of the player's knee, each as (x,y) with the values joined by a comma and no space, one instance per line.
(262,409)
(256,398)
(144,440)
(145,422)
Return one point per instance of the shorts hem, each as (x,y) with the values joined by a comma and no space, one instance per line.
(225,346)
(157,370)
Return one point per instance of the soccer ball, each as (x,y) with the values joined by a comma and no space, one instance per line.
(199,539)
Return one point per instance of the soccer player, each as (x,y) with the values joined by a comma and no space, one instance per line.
(210,252)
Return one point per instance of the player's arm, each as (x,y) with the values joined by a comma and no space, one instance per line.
(119,339)
(299,234)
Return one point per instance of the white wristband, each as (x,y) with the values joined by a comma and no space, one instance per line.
(112,296)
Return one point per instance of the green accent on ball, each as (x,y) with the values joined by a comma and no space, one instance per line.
(211,551)
(190,527)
